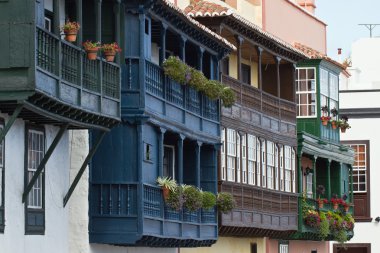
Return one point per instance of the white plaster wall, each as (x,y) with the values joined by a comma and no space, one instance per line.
(359,100)
(55,239)
(365,64)
(78,236)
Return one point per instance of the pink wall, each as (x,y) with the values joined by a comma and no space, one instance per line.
(299,246)
(291,23)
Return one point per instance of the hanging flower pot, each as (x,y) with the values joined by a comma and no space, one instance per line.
(343,130)
(334,124)
(70,29)
(325,120)
(91,49)
(110,50)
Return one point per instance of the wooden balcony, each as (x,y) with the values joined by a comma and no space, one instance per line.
(259,212)
(262,102)
(64,86)
(121,215)
(167,100)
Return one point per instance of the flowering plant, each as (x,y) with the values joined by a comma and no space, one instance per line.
(312,218)
(89,45)
(334,111)
(336,201)
(324,201)
(111,47)
(70,26)
(324,109)
(325,118)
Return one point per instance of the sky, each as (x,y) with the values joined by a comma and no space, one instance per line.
(343,17)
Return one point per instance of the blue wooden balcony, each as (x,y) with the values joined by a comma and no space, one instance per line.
(64,86)
(135,214)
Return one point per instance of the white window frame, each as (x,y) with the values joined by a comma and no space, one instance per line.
(309,185)
(357,169)
(263,164)
(252,154)
(223,155)
(298,80)
(244,158)
(258,161)
(34,156)
(238,169)
(231,154)
(287,169)
(276,169)
(282,180)
(270,164)
(293,170)
(283,248)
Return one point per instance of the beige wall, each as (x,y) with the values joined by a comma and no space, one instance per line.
(308,246)
(233,69)
(293,24)
(230,245)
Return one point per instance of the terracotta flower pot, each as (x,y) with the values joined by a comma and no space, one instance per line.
(333,124)
(110,55)
(343,130)
(324,122)
(346,208)
(320,204)
(165,193)
(71,35)
(92,53)
(335,206)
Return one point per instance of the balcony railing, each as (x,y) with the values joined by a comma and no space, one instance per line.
(164,88)
(154,207)
(92,84)
(251,97)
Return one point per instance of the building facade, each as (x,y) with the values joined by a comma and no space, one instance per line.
(47,89)
(360,104)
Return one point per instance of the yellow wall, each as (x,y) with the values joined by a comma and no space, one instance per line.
(233,69)
(230,245)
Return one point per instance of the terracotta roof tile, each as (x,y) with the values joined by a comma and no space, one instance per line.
(314,54)
(199,25)
(200,8)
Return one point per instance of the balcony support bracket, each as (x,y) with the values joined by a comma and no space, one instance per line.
(42,164)
(83,168)
(10,122)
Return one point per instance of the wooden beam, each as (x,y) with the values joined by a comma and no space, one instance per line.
(42,164)
(83,168)
(10,122)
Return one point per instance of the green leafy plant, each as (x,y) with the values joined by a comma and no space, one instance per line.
(208,200)
(324,226)
(186,75)
(225,202)
(167,182)
(312,219)
(193,198)
(111,47)
(70,27)
(89,45)
(341,236)
(176,199)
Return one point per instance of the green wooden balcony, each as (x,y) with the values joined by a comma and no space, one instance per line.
(63,86)
(309,232)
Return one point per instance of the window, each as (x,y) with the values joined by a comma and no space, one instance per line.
(288,169)
(293,170)
(361,180)
(258,157)
(360,168)
(169,161)
(226,66)
(270,164)
(334,93)
(324,87)
(253,248)
(251,159)
(263,164)
(238,172)
(222,155)
(305,85)
(246,73)
(231,154)
(35,149)
(282,169)
(2,180)
(276,169)
(147,152)
(283,247)
(309,185)
(244,158)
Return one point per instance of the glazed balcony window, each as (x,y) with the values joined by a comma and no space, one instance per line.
(306,92)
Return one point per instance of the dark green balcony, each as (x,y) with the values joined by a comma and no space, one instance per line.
(62,86)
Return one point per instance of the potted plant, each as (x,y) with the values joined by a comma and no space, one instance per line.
(225,202)
(334,123)
(312,219)
(175,199)
(91,49)
(334,112)
(324,226)
(335,201)
(70,29)
(167,184)
(321,191)
(208,200)
(325,120)
(346,206)
(110,50)
(193,198)
(343,124)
